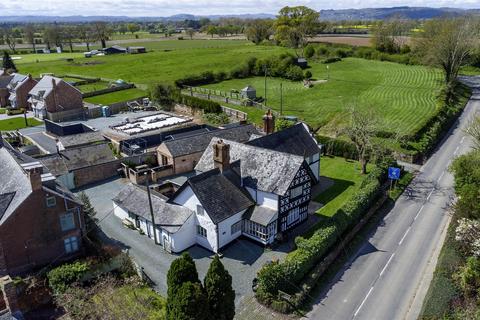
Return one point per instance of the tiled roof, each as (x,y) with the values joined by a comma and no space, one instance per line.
(261,169)
(45,86)
(198,143)
(81,139)
(220,196)
(261,215)
(295,140)
(5,81)
(167,215)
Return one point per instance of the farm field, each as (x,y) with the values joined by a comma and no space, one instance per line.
(346,177)
(158,66)
(118,96)
(403,96)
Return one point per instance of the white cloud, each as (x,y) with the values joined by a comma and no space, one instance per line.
(198,7)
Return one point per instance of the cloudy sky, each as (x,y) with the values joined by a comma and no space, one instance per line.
(198,7)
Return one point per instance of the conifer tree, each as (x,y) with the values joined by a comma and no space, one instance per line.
(218,288)
(190,303)
(8,64)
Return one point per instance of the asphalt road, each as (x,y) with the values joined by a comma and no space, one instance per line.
(387,278)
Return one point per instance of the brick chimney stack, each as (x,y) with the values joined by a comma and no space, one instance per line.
(269,122)
(221,155)
(34,172)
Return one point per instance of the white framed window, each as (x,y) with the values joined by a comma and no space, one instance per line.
(200,210)
(51,202)
(296,192)
(236,227)
(201,231)
(67,221)
(71,244)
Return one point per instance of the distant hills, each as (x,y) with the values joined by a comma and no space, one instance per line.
(330,15)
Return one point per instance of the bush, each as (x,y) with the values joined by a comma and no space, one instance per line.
(323,51)
(287,275)
(331,60)
(216,119)
(206,106)
(308,74)
(338,147)
(12,112)
(60,278)
(309,51)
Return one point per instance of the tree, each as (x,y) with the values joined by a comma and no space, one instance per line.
(467,234)
(29,33)
(259,30)
(468,277)
(69,35)
(163,95)
(102,32)
(9,36)
(390,36)
(361,131)
(89,212)
(190,32)
(133,27)
(474,131)
(85,34)
(7,62)
(447,44)
(190,303)
(212,30)
(294,25)
(220,295)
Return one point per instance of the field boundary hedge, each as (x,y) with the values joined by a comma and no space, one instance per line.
(296,275)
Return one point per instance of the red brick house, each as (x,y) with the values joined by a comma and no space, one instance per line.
(40,221)
(54,99)
(18,89)
(4,82)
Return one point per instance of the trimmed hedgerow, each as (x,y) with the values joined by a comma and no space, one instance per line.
(206,106)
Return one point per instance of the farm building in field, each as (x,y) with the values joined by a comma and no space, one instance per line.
(115,50)
(54,99)
(135,50)
(18,90)
(248,92)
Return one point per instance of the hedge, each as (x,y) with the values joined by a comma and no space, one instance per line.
(60,278)
(12,112)
(196,103)
(285,276)
(338,147)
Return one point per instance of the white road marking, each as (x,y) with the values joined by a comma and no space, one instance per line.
(363,302)
(386,266)
(441,176)
(463,139)
(404,236)
(418,213)
(430,194)
(456,150)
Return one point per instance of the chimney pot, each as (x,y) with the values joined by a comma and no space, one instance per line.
(35,176)
(221,155)
(269,122)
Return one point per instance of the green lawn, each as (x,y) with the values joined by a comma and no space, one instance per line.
(403,96)
(89,87)
(187,57)
(17,123)
(3,110)
(118,96)
(42,57)
(346,177)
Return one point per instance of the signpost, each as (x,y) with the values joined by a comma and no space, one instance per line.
(393,175)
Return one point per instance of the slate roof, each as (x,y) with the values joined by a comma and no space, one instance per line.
(219,195)
(262,169)
(14,180)
(45,86)
(17,78)
(81,139)
(198,143)
(296,140)
(5,81)
(169,216)
(76,158)
(261,215)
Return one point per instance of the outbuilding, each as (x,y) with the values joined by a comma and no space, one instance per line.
(248,92)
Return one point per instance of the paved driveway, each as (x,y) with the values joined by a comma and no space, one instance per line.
(242,258)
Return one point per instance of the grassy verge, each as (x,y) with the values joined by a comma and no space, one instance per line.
(442,290)
(346,178)
(118,96)
(17,123)
(401,184)
(3,110)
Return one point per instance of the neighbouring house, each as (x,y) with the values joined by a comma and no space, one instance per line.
(295,140)
(40,220)
(136,50)
(115,50)
(83,165)
(184,153)
(18,89)
(239,190)
(4,82)
(54,99)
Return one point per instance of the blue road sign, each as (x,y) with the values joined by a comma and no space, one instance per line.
(393,173)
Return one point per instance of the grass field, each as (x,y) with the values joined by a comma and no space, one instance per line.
(17,123)
(402,95)
(118,96)
(159,66)
(346,177)
(89,87)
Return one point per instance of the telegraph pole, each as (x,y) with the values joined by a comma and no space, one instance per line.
(151,210)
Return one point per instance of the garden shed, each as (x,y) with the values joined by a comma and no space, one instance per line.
(248,92)
(302,63)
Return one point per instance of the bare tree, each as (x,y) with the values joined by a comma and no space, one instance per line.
(474,131)
(86,34)
(448,43)
(190,32)
(29,34)
(102,32)
(361,131)
(69,35)
(9,37)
